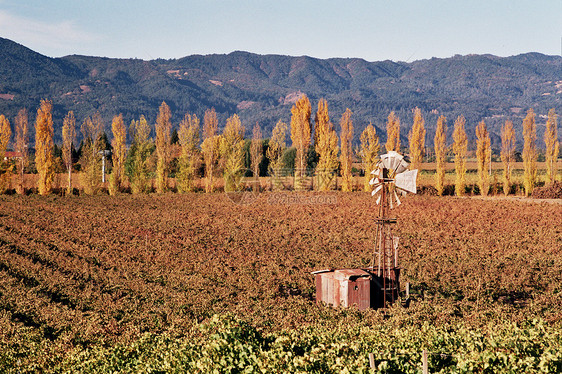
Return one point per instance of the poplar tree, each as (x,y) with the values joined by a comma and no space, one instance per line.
(460,144)
(210,147)
(163,152)
(22,147)
(119,153)
(552,146)
(507,154)
(44,145)
(483,155)
(370,148)
(275,150)
(326,146)
(417,140)
(5,167)
(440,147)
(529,152)
(139,153)
(92,144)
(188,135)
(392,133)
(346,150)
(68,137)
(300,136)
(232,153)
(256,151)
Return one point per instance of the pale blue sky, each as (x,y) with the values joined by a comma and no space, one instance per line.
(374,30)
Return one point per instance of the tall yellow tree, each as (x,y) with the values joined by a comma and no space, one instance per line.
(416,138)
(163,151)
(370,148)
(210,147)
(140,152)
(346,150)
(300,136)
(68,137)
(119,153)
(483,156)
(232,153)
(440,147)
(507,154)
(326,146)
(44,145)
(552,146)
(5,167)
(91,159)
(275,150)
(392,133)
(529,152)
(256,150)
(189,160)
(460,144)
(21,147)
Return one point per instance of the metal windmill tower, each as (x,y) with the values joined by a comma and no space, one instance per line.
(390,178)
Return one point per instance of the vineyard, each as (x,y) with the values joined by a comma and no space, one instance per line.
(196,283)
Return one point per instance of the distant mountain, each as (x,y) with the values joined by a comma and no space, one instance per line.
(262,88)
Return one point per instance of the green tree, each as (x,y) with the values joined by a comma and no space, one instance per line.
(232,153)
(91,160)
(139,154)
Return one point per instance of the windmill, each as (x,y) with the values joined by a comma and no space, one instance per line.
(373,287)
(391,178)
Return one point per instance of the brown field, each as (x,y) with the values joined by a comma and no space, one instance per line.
(95,271)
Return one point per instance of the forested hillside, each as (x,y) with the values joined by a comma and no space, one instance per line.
(263,88)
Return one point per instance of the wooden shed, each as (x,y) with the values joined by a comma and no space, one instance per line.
(360,287)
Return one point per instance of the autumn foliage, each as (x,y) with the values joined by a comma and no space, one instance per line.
(392,133)
(529,152)
(300,136)
(483,156)
(460,144)
(21,147)
(189,160)
(346,136)
(440,147)
(552,146)
(326,146)
(369,152)
(163,150)
(68,138)
(417,140)
(44,145)
(119,145)
(507,154)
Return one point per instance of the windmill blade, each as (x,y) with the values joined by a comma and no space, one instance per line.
(376,190)
(391,160)
(401,167)
(374,181)
(407,181)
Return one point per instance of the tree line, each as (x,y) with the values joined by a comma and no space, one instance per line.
(198,150)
